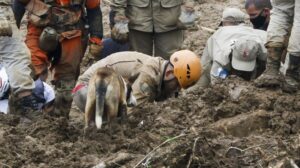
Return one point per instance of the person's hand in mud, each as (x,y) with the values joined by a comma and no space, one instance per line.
(119,32)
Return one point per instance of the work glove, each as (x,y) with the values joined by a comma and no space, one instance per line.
(119,32)
(187,17)
(95,48)
(5,28)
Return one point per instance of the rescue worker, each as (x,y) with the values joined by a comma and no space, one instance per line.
(233,49)
(43,92)
(285,16)
(57,35)
(15,57)
(154,25)
(259,12)
(158,79)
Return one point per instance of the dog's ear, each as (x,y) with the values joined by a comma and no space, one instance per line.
(133,77)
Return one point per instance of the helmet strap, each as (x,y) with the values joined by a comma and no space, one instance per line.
(168,72)
(162,79)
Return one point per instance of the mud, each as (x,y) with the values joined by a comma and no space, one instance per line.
(233,124)
(210,128)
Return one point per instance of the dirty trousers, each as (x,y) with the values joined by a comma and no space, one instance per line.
(285,17)
(16,58)
(156,44)
(65,60)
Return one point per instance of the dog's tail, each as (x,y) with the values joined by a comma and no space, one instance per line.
(101,88)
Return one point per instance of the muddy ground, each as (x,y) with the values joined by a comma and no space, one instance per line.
(233,124)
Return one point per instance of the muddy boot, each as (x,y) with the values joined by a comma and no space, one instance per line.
(291,79)
(271,77)
(63,97)
(27,107)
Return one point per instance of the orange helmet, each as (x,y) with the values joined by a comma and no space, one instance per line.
(187,67)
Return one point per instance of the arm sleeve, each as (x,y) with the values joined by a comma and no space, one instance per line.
(206,58)
(119,7)
(19,10)
(206,62)
(144,89)
(261,61)
(94,17)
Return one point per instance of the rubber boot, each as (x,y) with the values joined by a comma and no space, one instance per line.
(272,76)
(63,97)
(291,79)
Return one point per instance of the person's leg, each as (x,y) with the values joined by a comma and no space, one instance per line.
(281,23)
(294,42)
(16,59)
(292,78)
(141,41)
(278,31)
(66,72)
(165,44)
(39,57)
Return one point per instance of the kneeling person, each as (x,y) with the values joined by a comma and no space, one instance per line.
(234,49)
(158,78)
(43,93)
(245,59)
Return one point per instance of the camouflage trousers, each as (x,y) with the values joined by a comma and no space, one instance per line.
(285,21)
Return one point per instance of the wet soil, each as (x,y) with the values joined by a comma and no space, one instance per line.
(233,124)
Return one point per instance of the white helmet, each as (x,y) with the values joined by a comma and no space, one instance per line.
(4,84)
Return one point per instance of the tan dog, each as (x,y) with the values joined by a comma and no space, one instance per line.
(107,97)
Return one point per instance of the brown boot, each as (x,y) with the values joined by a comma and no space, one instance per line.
(291,79)
(63,97)
(271,77)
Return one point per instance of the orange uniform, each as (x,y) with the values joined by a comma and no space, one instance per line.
(74,22)
(66,58)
